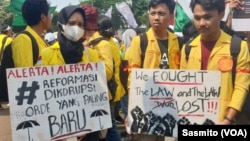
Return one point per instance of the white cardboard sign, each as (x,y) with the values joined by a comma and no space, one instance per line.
(58,102)
(161,99)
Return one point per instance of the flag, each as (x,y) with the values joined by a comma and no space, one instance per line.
(15,7)
(52,9)
(126,12)
(109,12)
(181,18)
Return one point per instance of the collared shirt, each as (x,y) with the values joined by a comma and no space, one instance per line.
(229,96)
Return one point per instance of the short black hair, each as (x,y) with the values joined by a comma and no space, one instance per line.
(169,3)
(33,9)
(209,5)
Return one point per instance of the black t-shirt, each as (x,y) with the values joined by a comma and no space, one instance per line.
(163,44)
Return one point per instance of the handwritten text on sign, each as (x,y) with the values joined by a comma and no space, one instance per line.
(56,102)
(161,99)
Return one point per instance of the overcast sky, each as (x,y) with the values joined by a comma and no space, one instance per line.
(62,3)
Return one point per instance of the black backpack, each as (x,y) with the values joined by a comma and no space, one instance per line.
(7,62)
(234,51)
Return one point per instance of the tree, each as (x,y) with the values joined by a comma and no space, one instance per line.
(5,17)
(54,21)
(139,9)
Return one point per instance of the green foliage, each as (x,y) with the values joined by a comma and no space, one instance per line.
(54,21)
(5,17)
(139,9)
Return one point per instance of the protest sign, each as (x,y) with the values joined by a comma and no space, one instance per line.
(160,99)
(241,18)
(58,102)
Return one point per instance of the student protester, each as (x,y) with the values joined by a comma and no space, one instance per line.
(95,30)
(210,49)
(237,5)
(5,39)
(91,33)
(69,48)
(37,16)
(127,37)
(162,50)
(105,28)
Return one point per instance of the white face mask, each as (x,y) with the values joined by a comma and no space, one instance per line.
(73,33)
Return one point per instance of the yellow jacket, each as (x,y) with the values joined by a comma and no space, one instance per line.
(22,48)
(153,53)
(126,54)
(53,56)
(8,41)
(104,53)
(120,91)
(229,96)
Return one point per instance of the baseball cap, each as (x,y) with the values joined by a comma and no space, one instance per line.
(49,37)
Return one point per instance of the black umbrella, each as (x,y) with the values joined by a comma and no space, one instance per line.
(27,124)
(98,113)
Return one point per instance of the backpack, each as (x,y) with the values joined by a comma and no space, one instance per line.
(234,51)
(8,62)
(112,85)
(143,45)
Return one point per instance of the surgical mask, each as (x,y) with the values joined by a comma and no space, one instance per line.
(72,33)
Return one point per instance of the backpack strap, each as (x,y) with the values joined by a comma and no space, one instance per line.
(187,49)
(96,41)
(35,49)
(234,50)
(143,44)
(2,48)
(180,42)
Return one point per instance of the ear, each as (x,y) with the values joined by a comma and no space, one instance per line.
(44,18)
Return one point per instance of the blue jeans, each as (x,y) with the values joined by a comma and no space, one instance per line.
(124,104)
(113,134)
